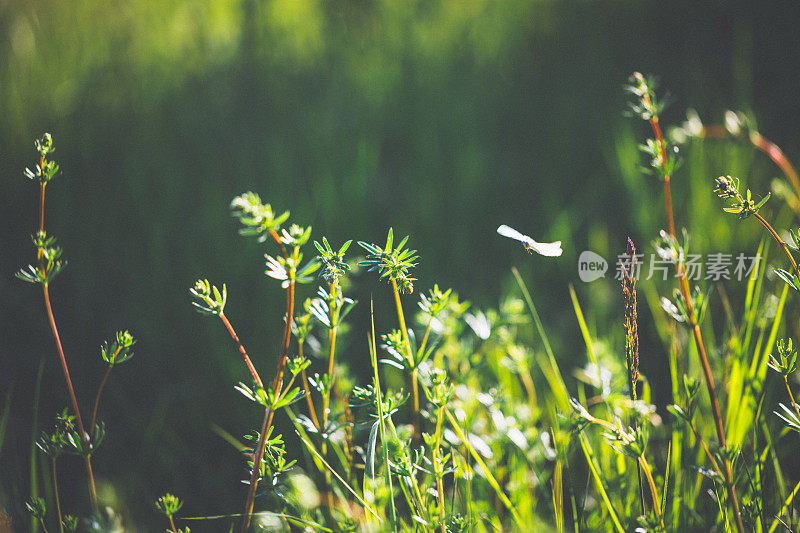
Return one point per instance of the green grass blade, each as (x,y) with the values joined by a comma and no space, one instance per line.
(4,418)
(488,473)
(598,482)
(376,382)
(227,437)
(35,435)
(337,476)
(297,521)
(786,505)
(369,466)
(587,338)
(558,385)
(666,479)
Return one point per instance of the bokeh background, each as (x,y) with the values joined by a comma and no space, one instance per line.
(440,118)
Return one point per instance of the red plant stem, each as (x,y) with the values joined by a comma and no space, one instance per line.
(311,411)
(778,157)
(99,391)
(41,206)
(246,357)
(779,241)
(667,192)
(277,239)
(269,413)
(63,361)
(698,338)
(62,358)
(42,185)
(326,399)
(769,148)
(92,487)
(41,196)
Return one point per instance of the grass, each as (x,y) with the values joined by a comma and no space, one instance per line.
(471,420)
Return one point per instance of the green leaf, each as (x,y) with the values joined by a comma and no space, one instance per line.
(289,398)
(762,202)
(347,308)
(789,278)
(789,416)
(678,411)
(392,362)
(369,467)
(389,241)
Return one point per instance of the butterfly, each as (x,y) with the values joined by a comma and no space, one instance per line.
(549,249)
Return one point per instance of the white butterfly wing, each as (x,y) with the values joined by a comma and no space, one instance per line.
(549,249)
(511,233)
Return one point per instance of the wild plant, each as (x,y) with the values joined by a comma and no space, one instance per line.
(469,420)
(408,471)
(70,435)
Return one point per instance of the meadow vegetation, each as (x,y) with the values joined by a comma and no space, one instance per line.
(470,420)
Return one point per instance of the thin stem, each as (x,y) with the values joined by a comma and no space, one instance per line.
(487,472)
(425,337)
(287,331)
(279,242)
(373,353)
(418,502)
(786,504)
(415,398)
(41,211)
(404,332)
(99,391)
(791,396)
(326,399)
(779,241)
(698,338)
(311,411)
(63,360)
(727,473)
(172,525)
(440,491)
(557,485)
(55,492)
(766,146)
(776,154)
(92,488)
(42,187)
(598,482)
(438,467)
(705,448)
(269,413)
(632,349)
(653,491)
(246,357)
(663,155)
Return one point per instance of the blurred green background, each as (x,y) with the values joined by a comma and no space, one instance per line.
(440,118)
